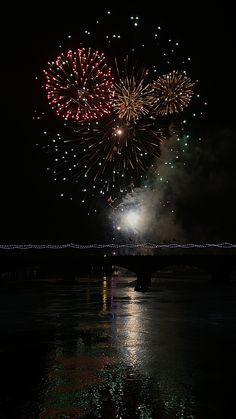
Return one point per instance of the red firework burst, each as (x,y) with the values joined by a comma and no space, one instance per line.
(79,85)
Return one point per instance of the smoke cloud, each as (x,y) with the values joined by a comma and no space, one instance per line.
(184,198)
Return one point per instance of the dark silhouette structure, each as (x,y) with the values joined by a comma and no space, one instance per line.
(70,262)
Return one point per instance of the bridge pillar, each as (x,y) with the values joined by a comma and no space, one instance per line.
(143,281)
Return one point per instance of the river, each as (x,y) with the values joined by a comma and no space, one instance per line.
(98,349)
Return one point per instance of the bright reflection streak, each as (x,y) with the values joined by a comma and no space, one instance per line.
(132,334)
(104,293)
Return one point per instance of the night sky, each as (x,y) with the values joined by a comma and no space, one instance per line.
(30,208)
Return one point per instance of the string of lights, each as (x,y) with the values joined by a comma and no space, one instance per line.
(29,246)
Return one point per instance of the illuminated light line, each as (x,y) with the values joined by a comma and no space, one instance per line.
(29,246)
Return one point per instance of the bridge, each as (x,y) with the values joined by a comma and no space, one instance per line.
(144,259)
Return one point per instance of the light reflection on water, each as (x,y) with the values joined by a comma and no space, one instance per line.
(100,349)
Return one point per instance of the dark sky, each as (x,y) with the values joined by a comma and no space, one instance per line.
(30,208)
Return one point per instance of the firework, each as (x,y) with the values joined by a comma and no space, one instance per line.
(115,123)
(79,85)
(171,93)
(130,101)
(132,94)
(113,154)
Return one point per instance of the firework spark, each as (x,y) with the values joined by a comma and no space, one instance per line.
(113,127)
(79,85)
(130,101)
(171,93)
(132,94)
(113,154)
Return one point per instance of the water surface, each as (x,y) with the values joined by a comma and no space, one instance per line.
(97,348)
